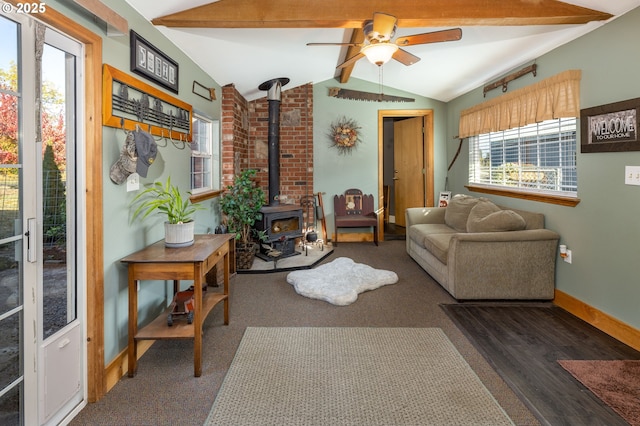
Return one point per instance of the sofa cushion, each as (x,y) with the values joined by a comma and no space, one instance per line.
(438,245)
(458,211)
(418,232)
(487,217)
(484,207)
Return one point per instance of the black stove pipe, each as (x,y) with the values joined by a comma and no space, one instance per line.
(274,96)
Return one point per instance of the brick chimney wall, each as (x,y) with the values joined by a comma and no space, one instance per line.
(245,132)
(296,142)
(235,134)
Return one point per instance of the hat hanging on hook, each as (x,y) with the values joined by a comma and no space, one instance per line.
(147,150)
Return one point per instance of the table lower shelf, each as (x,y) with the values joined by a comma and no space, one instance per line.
(158,328)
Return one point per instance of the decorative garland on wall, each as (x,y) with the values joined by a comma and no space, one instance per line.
(344,135)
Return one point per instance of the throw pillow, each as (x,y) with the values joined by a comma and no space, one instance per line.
(487,217)
(458,211)
(484,207)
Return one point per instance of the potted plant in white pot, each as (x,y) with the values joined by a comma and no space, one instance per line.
(167,200)
(241,203)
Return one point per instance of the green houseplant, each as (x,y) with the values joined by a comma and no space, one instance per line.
(166,199)
(241,203)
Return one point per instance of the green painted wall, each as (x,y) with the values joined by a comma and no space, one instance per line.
(603,230)
(120,236)
(333,173)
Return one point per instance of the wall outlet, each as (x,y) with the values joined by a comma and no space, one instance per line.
(133,182)
(632,175)
(567,258)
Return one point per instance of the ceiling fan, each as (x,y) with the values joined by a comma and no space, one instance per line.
(378,47)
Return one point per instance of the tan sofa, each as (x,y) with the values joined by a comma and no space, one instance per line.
(477,250)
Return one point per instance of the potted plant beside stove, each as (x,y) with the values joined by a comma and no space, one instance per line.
(241,203)
(166,198)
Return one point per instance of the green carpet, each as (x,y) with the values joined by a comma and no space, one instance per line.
(351,376)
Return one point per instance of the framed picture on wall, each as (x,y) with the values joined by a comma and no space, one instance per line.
(611,127)
(151,63)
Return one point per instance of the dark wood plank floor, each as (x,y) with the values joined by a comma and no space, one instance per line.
(523,343)
(394,232)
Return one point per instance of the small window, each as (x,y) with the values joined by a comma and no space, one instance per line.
(205,154)
(540,157)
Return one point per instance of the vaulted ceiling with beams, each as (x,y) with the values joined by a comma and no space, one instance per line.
(246,42)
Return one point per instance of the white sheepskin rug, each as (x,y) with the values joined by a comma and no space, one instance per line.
(339,282)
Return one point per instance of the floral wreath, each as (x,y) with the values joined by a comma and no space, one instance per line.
(344,135)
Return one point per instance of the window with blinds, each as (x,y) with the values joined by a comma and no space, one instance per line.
(205,157)
(539,157)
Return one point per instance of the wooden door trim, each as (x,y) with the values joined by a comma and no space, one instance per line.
(428,154)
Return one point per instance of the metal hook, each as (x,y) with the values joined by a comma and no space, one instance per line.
(162,136)
(184,144)
(171,133)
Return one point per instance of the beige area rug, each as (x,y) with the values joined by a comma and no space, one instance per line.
(351,376)
(615,382)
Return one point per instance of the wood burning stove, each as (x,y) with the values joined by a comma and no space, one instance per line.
(281,223)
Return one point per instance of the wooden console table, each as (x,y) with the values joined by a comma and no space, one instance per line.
(157,262)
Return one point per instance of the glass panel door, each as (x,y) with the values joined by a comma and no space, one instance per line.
(11,303)
(60,351)
(41,365)
(59,291)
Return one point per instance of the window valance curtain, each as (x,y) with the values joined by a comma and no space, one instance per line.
(554,97)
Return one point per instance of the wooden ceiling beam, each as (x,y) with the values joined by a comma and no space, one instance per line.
(116,24)
(351,14)
(356,37)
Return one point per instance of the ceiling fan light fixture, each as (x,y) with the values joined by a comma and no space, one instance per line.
(379,53)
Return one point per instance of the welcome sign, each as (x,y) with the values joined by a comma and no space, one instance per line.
(614,127)
(610,128)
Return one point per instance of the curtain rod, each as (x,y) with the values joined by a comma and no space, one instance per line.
(505,81)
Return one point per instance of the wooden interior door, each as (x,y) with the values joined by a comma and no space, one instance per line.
(408,164)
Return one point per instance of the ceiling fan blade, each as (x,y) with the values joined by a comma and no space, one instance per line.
(351,60)
(433,37)
(334,44)
(384,24)
(405,57)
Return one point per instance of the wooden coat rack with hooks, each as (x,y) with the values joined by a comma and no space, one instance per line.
(128,103)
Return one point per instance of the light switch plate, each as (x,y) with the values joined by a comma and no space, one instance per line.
(632,175)
(133,182)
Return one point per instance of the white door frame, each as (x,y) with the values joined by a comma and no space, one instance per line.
(33,342)
(68,342)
